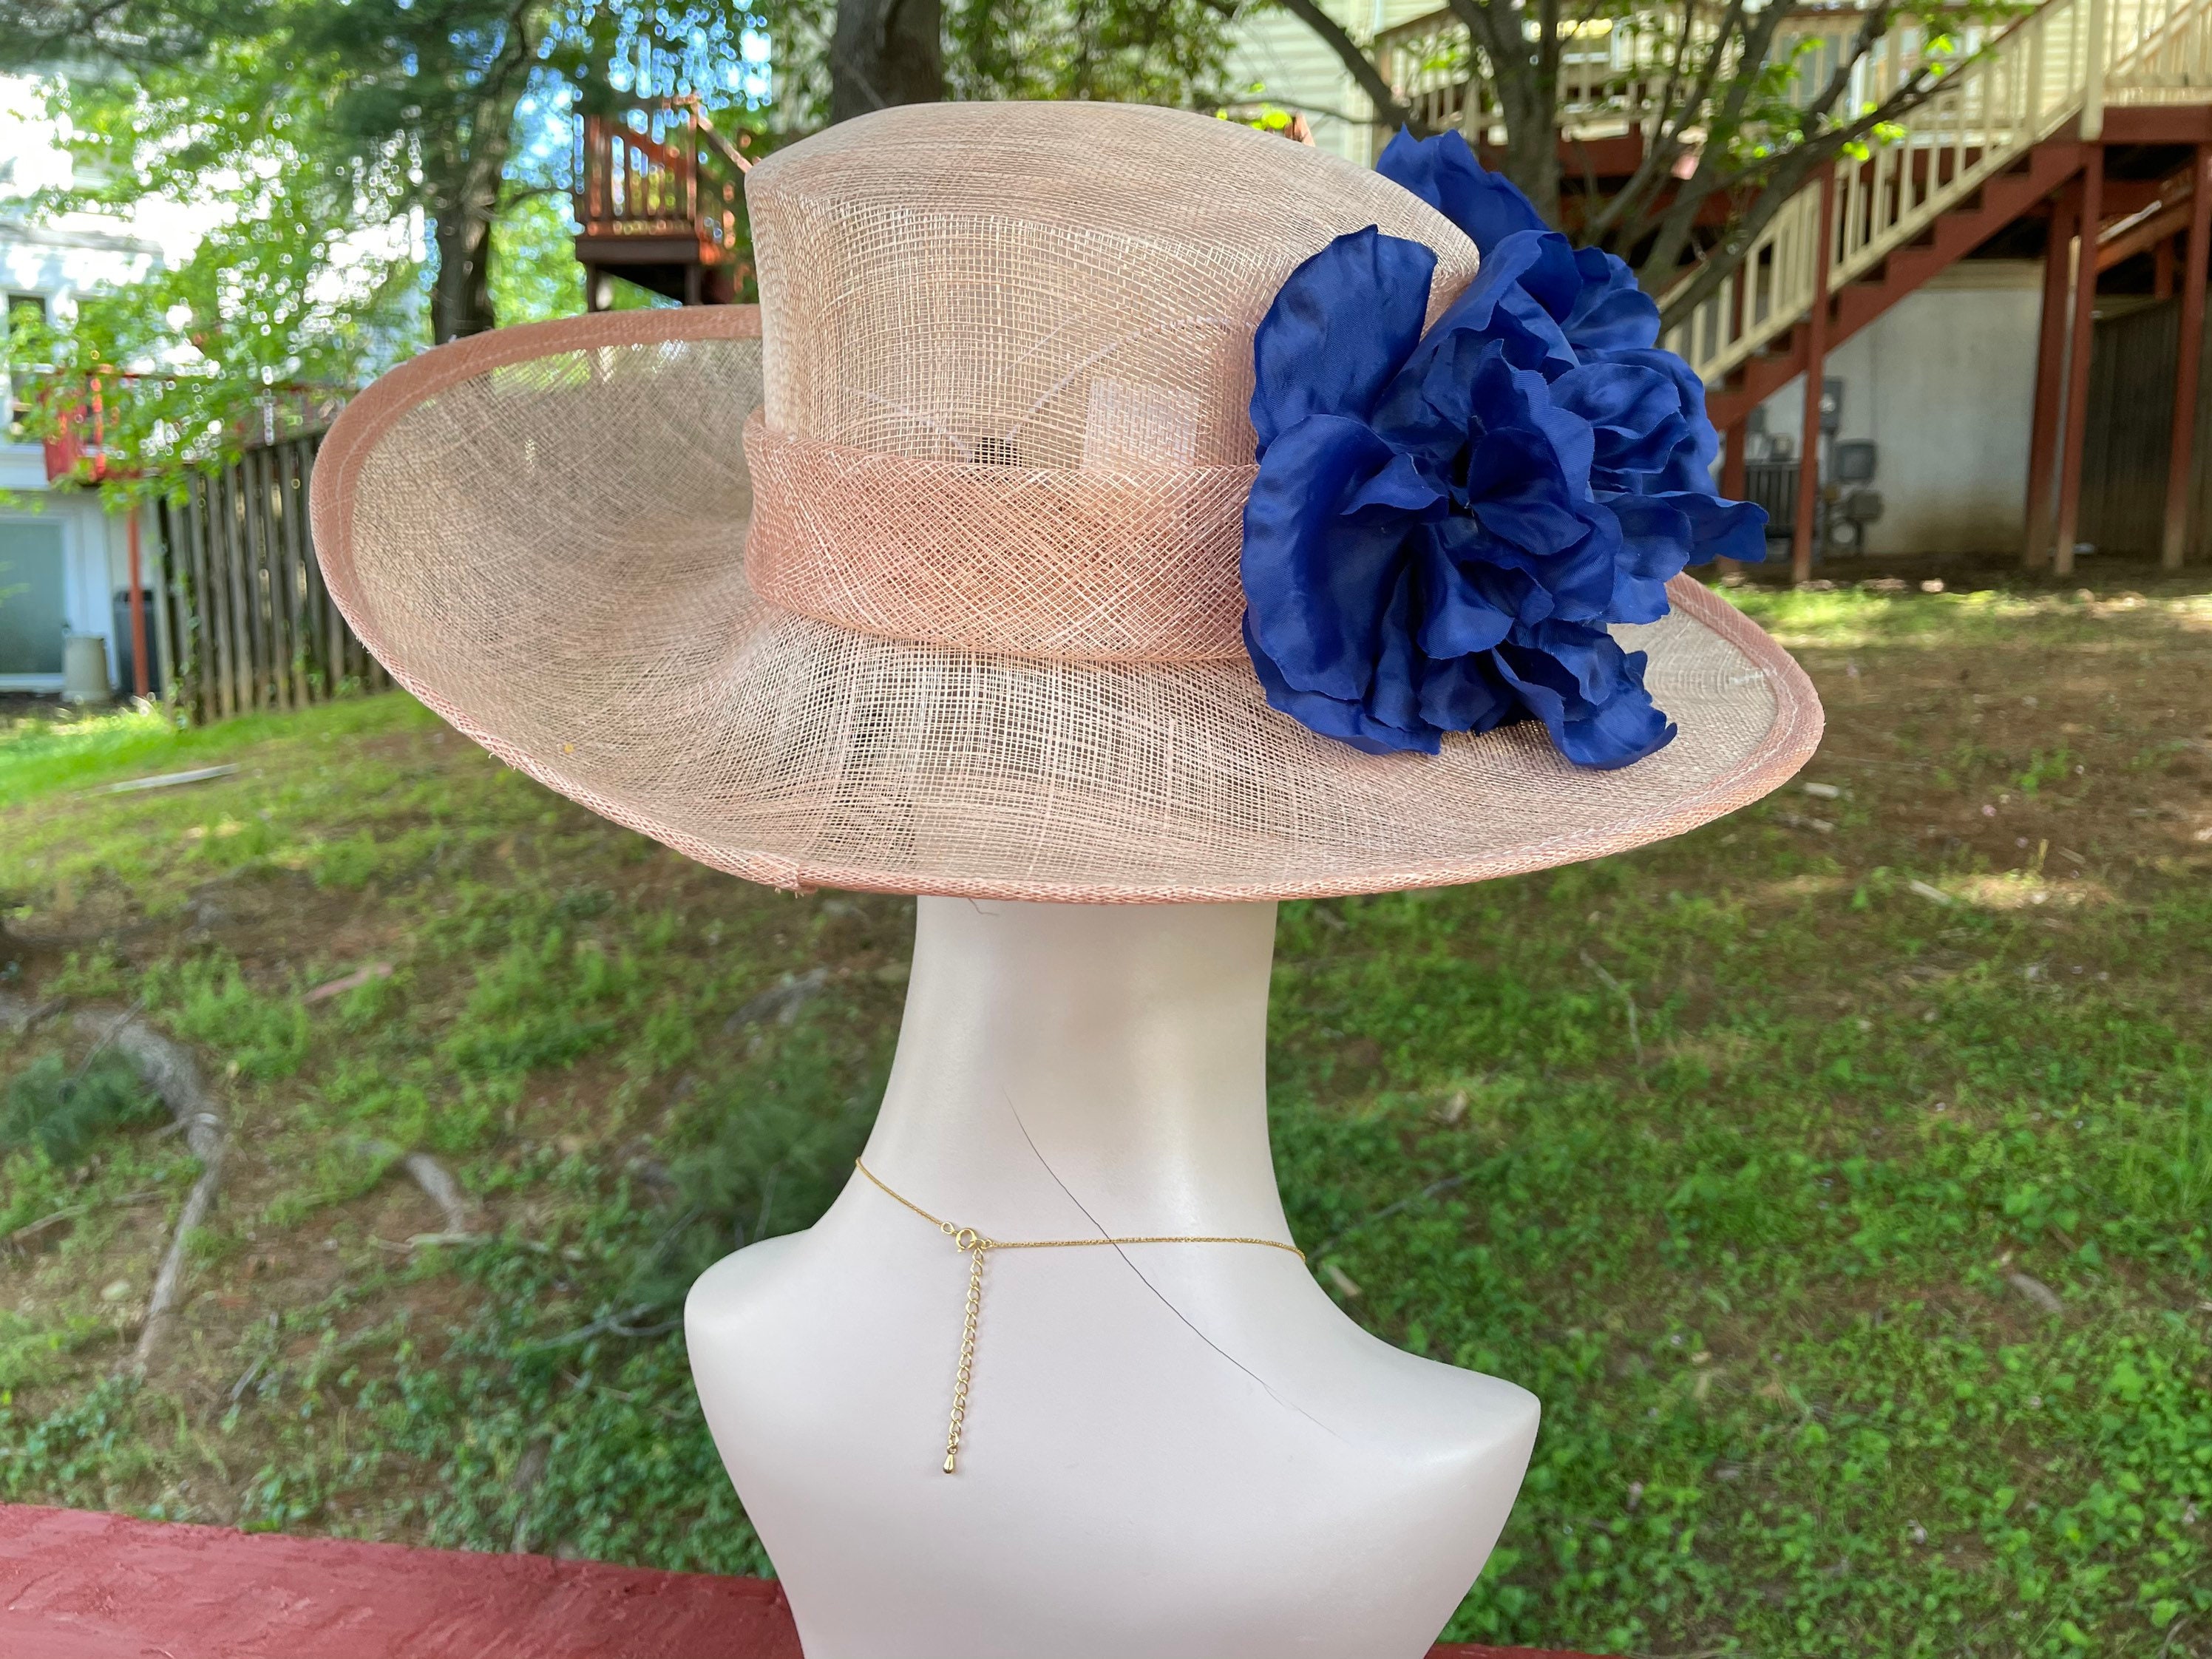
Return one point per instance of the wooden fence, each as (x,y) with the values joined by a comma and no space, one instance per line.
(254,626)
(2130,431)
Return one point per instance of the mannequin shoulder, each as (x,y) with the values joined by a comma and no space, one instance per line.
(1477,1412)
(1441,1441)
(1426,1408)
(746,1287)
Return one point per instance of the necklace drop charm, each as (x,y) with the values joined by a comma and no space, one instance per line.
(974,1246)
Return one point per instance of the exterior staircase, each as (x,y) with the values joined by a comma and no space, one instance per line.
(1739,380)
(2008,126)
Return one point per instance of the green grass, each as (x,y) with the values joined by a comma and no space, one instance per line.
(62,1111)
(39,756)
(1778,1256)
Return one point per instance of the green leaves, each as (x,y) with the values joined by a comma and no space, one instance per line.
(1140,52)
(276,296)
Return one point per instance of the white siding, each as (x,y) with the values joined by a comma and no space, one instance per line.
(1279,60)
(58,260)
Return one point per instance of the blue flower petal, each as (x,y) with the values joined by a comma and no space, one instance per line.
(1505,303)
(1393,698)
(1703,444)
(1445,526)
(1467,694)
(1342,719)
(1722,528)
(1339,329)
(1400,492)
(1428,410)
(1461,619)
(1486,564)
(1442,172)
(1317,584)
(1589,692)
(1634,413)
(1611,313)
(1516,490)
(1658,539)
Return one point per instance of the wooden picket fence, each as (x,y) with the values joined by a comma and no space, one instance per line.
(254,627)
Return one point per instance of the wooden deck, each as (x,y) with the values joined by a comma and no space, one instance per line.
(82,1586)
(658,191)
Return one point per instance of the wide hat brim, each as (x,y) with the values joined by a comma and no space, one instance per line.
(541,532)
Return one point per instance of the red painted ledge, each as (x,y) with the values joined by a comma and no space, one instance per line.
(75,1585)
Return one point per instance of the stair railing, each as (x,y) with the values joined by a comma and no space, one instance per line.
(2006,95)
(1982,117)
(1607,69)
(2069,59)
(2160,52)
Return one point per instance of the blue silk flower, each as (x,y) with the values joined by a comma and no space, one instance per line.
(1445,524)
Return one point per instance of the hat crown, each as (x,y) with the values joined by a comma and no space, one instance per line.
(1045,285)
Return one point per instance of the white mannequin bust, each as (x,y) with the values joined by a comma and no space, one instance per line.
(1171,1451)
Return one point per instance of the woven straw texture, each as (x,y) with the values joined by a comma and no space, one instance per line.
(1010,362)
(960,668)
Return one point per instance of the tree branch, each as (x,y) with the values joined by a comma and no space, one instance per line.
(1680,217)
(1389,112)
(1663,145)
(1786,173)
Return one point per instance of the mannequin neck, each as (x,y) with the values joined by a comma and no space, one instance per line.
(1059,1059)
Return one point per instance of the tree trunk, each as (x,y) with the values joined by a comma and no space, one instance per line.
(885,52)
(460,295)
(1532,154)
(1532,115)
(1524,76)
(462,170)
(462,194)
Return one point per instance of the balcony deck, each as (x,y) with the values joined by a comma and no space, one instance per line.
(659,196)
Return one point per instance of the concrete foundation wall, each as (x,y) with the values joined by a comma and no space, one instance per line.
(1944,382)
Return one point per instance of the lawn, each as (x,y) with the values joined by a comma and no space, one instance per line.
(1839,1175)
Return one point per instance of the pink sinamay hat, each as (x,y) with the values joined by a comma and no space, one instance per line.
(923,575)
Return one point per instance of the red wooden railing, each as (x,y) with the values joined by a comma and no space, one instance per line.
(75,1586)
(77,448)
(660,170)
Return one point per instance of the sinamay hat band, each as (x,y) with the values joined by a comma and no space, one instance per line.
(1106,564)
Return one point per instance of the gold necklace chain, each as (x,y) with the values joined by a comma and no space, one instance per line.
(975,1246)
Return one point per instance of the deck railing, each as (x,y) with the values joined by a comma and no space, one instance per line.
(1611,70)
(663,170)
(1996,96)
(1431,63)
(78,441)
(2064,62)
